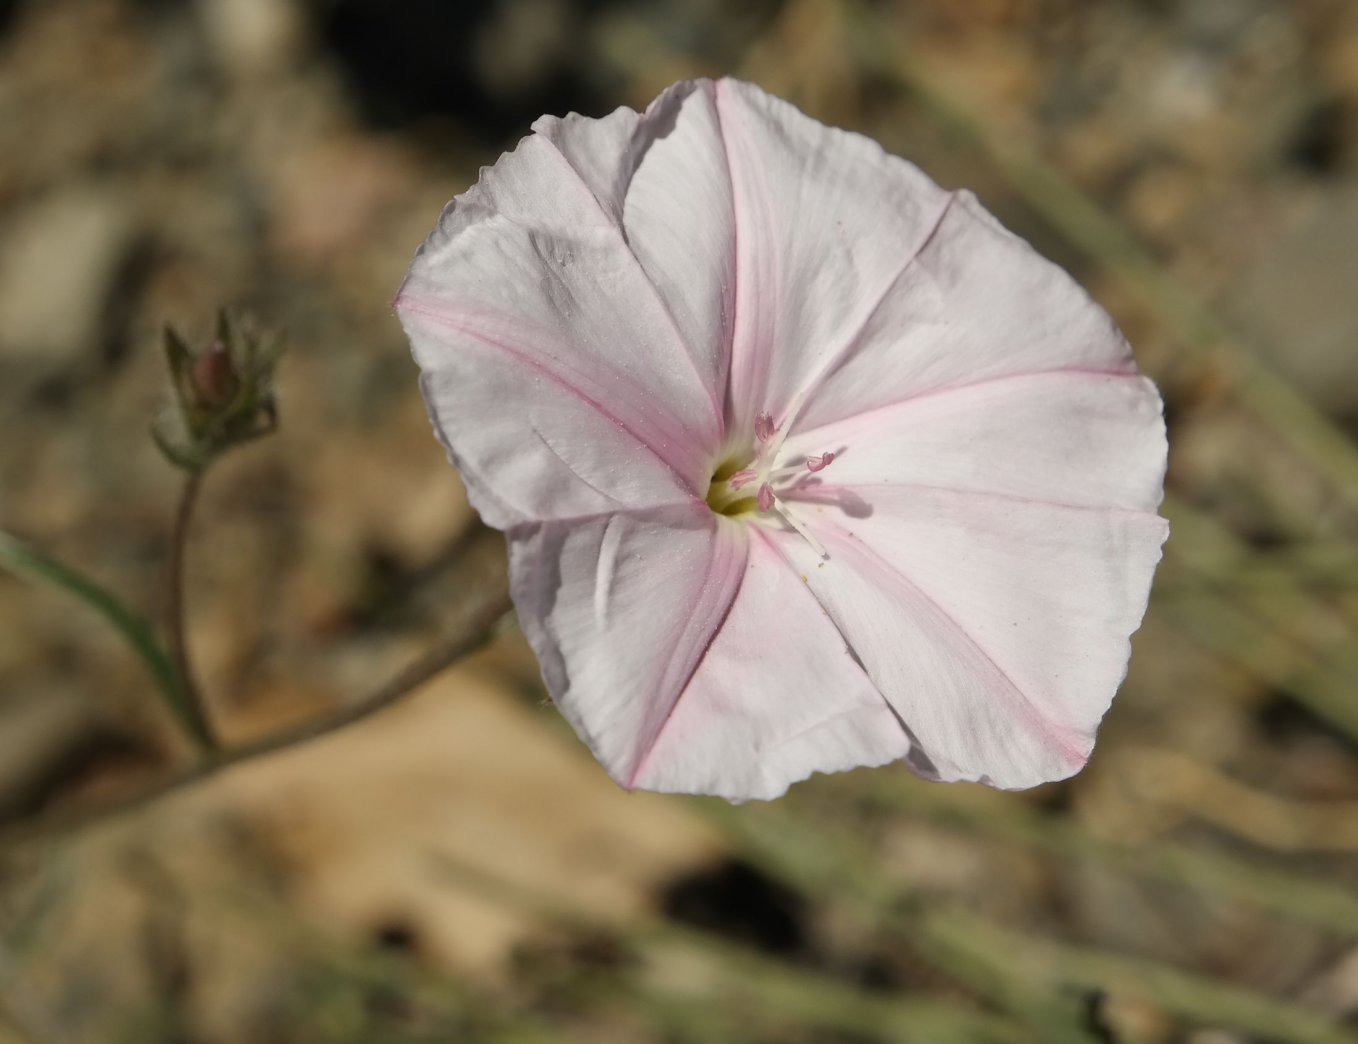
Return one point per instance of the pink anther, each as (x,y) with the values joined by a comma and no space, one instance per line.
(814,464)
(765,497)
(763,427)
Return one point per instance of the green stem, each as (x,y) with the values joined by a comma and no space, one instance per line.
(193,708)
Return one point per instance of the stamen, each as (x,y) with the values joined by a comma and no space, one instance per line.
(728,480)
(795,523)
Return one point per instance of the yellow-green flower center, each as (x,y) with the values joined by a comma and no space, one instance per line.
(731,498)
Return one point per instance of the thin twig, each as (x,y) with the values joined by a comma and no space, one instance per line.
(196,718)
(474,629)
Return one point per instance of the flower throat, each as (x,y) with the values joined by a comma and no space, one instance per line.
(753,487)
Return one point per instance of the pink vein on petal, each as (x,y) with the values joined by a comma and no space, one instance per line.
(420,307)
(718,579)
(1053,733)
(724,379)
(745,383)
(684,347)
(1077,372)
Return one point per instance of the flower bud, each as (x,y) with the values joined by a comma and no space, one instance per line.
(224,392)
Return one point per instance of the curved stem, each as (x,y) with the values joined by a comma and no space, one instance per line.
(193,710)
(475,628)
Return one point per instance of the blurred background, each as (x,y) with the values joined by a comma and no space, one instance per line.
(458,868)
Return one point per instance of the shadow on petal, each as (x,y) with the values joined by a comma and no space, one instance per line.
(813,491)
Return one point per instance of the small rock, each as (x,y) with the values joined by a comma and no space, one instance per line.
(252,37)
(61,268)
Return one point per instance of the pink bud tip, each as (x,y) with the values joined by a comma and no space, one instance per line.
(763,427)
(819,463)
(765,497)
(212,377)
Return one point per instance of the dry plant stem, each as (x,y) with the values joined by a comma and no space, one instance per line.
(197,719)
(1284,636)
(476,627)
(1026,973)
(775,988)
(970,944)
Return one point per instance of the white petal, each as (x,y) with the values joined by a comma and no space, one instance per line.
(777,697)
(1076,438)
(997,628)
(680,222)
(528,289)
(620,611)
(825,221)
(529,449)
(599,150)
(662,177)
(976,303)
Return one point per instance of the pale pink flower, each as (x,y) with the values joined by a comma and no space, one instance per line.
(804,462)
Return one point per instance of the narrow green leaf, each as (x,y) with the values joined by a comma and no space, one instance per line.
(31,564)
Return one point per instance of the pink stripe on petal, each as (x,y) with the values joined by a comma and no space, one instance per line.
(769,705)
(989,597)
(822,218)
(977,303)
(648,428)
(616,658)
(1060,437)
(759,280)
(701,374)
